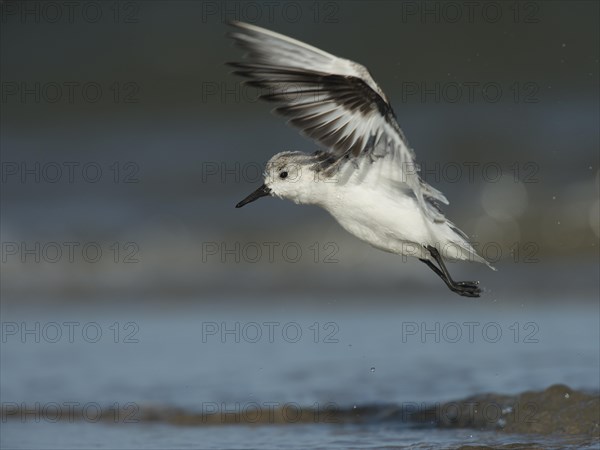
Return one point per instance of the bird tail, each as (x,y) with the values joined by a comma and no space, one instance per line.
(460,248)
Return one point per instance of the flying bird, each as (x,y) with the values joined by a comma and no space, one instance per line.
(365,174)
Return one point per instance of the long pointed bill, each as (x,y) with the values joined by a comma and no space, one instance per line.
(262,191)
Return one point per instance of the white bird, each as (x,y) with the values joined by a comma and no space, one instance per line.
(366,176)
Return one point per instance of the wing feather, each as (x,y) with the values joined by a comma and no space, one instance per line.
(337,103)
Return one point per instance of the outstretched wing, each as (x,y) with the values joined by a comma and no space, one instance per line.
(336,102)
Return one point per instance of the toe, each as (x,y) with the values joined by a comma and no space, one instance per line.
(467,289)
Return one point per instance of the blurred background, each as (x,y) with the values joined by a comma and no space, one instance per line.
(125,144)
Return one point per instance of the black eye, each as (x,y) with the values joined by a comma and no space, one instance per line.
(283,175)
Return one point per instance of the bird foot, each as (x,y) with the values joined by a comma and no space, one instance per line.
(466,288)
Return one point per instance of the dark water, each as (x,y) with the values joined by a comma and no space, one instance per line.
(265,437)
(225,359)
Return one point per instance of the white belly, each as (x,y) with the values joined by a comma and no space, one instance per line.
(392,221)
(395,225)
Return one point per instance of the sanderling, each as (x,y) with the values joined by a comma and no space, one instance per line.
(365,177)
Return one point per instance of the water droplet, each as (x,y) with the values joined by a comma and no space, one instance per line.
(567,395)
(372,369)
(590,167)
(558,222)
(354,407)
(564,45)
(554,197)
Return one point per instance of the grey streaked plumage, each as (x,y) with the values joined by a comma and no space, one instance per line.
(337,103)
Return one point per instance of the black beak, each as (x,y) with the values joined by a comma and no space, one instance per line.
(262,191)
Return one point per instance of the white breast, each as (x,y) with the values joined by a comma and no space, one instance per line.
(387,220)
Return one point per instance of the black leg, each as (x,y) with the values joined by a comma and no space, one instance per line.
(464,288)
(433,267)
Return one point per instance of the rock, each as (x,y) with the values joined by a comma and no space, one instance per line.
(556,410)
